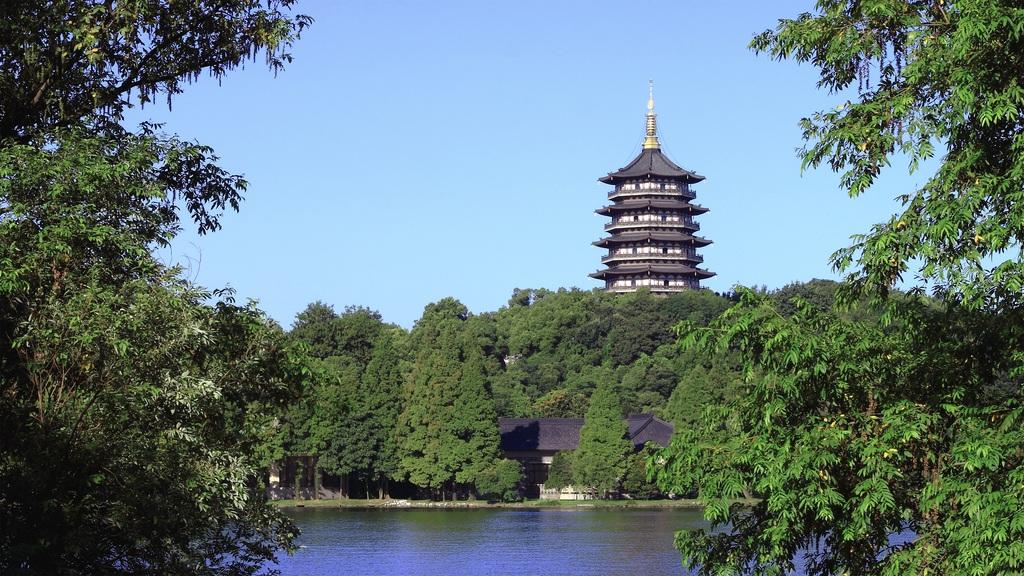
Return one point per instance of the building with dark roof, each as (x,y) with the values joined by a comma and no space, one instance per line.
(652,240)
(535,441)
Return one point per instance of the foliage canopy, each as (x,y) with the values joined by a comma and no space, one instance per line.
(852,431)
(135,407)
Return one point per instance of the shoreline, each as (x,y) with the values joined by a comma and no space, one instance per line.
(406,504)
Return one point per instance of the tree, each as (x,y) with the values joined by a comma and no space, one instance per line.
(83,60)
(316,326)
(381,398)
(638,327)
(500,481)
(350,426)
(561,403)
(351,335)
(472,424)
(421,433)
(821,293)
(643,322)
(648,383)
(119,383)
(600,459)
(709,378)
(339,427)
(854,430)
(545,336)
(359,329)
(135,407)
(635,481)
(448,431)
(560,473)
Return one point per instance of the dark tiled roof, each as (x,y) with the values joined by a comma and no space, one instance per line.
(644,428)
(554,434)
(652,163)
(626,237)
(641,204)
(539,433)
(632,269)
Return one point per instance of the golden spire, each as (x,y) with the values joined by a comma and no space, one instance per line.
(651,142)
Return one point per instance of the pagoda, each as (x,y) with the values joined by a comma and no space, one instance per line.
(652,242)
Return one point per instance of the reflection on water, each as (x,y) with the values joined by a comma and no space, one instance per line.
(487,542)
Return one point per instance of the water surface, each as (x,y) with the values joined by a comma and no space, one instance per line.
(418,542)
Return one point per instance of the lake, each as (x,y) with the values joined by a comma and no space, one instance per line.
(419,542)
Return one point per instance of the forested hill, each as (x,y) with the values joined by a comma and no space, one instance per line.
(378,387)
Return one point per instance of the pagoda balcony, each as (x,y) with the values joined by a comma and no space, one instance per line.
(627,257)
(632,224)
(652,289)
(683,191)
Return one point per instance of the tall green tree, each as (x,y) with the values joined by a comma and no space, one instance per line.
(338,424)
(339,420)
(600,460)
(473,423)
(423,439)
(317,327)
(134,406)
(381,398)
(851,431)
(448,430)
(359,329)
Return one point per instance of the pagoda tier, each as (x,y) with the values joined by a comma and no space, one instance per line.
(651,243)
(650,165)
(650,205)
(651,270)
(652,237)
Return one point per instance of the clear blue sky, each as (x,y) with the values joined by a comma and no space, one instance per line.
(417,150)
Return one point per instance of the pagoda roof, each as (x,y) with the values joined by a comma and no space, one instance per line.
(667,236)
(651,163)
(642,203)
(635,269)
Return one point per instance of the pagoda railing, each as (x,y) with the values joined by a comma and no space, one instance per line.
(651,224)
(660,191)
(649,287)
(653,256)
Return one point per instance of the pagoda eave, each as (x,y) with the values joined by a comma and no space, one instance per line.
(652,269)
(634,237)
(629,205)
(615,178)
(651,163)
